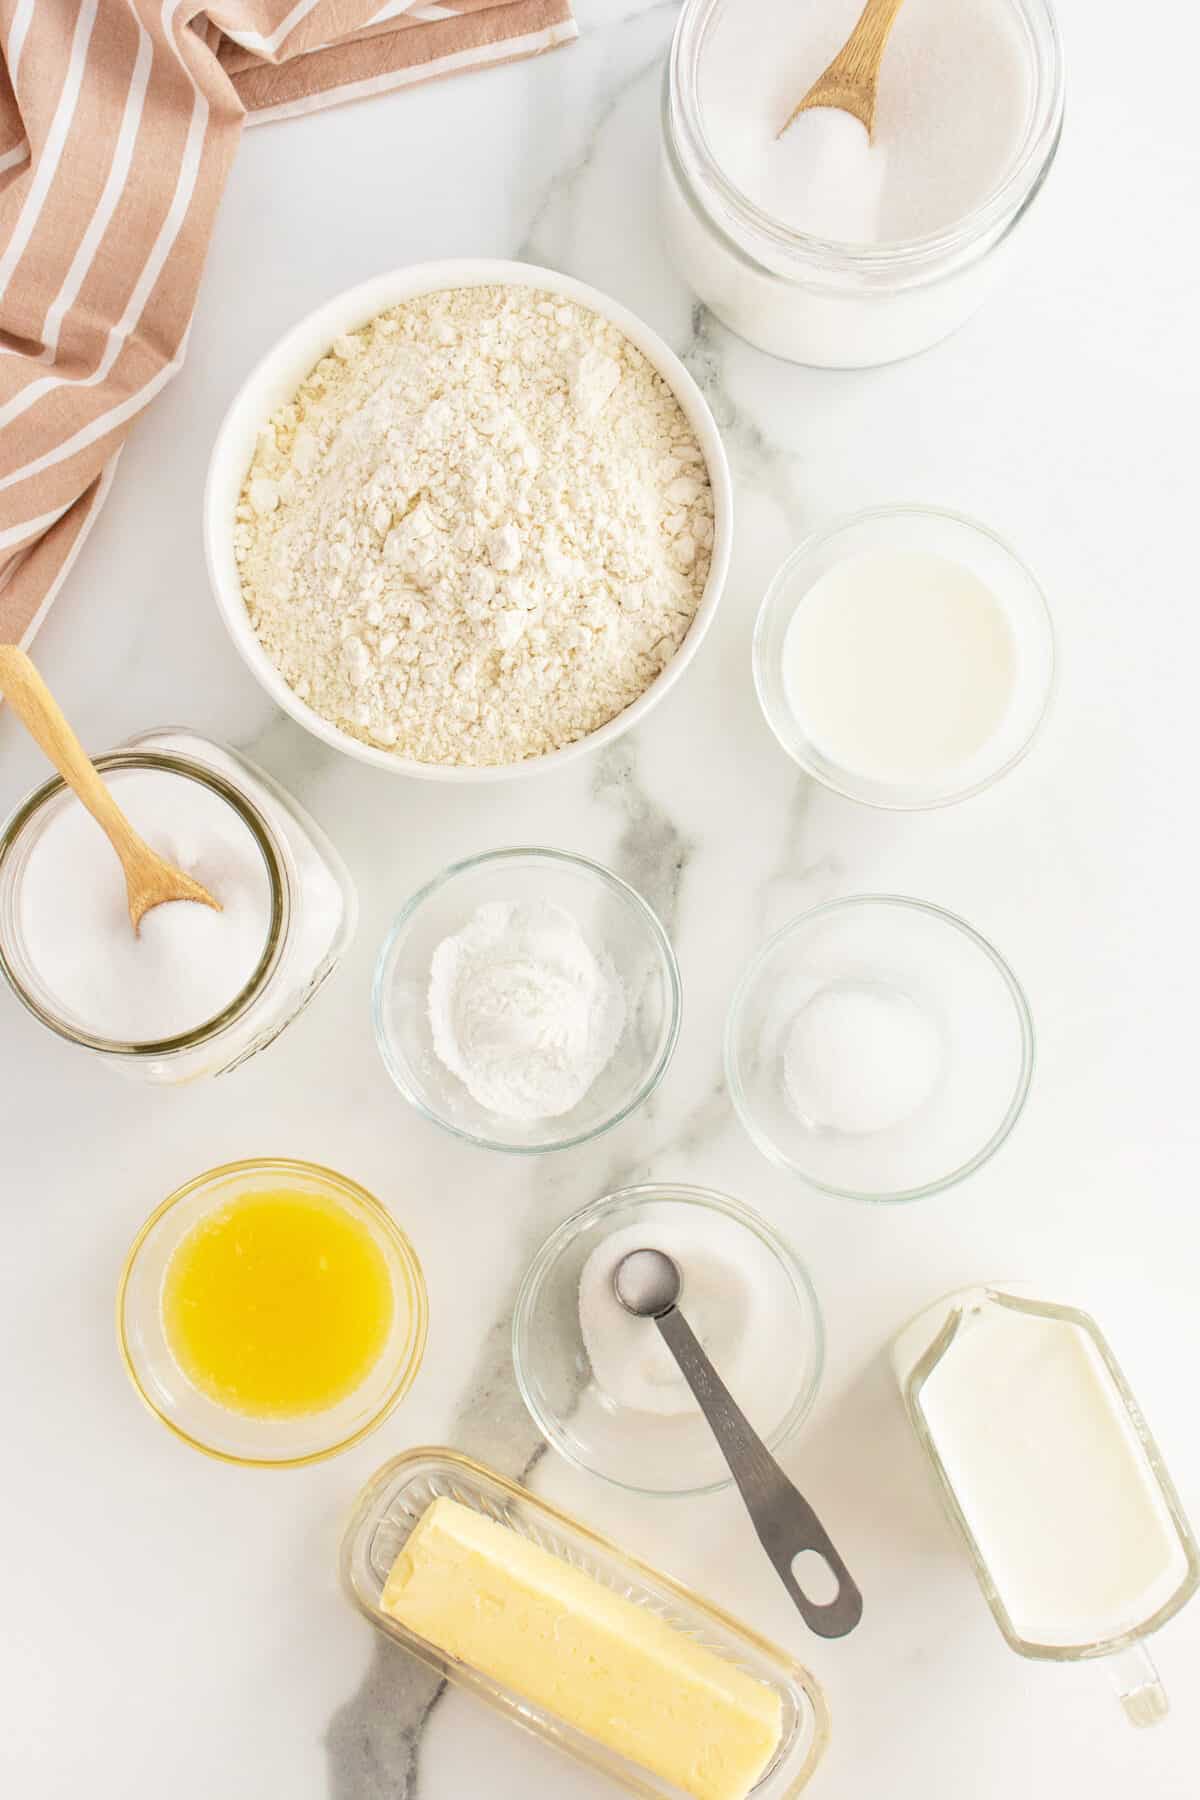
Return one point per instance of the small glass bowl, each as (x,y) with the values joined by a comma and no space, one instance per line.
(904,950)
(237,1437)
(612,917)
(648,1452)
(959,540)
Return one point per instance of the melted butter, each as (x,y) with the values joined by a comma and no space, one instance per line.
(277,1304)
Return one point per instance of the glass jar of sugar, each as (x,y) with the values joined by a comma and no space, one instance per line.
(196,992)
(821,246)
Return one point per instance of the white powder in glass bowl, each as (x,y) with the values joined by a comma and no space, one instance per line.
(523,1011)
(720,1298)
(860,1057)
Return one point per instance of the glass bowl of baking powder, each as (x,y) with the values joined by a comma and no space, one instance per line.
(526,1000)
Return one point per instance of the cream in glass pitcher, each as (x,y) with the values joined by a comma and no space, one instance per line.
(1045,1464)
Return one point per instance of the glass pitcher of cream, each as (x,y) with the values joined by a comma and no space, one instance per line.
(1047,1468)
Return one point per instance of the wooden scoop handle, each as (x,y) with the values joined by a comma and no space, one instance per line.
(149,879)
(851,82)
(46,724)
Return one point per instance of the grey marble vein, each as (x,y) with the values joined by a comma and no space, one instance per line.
(797,879)
(756,461)
(374,1738)
(652,853)
(373,1742)
(541,242)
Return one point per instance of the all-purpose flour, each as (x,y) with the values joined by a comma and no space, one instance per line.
(523,1011)
(480,529)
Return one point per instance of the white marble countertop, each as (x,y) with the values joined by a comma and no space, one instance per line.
(174,1626)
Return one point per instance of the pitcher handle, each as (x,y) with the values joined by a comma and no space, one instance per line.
(1139,1689)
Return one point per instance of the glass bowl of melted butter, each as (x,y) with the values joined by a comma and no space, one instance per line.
(271,1312)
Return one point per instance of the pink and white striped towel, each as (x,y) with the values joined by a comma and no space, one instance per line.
(119,120)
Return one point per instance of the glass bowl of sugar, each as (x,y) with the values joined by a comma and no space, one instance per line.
(879,1048)
(905,657)
(601,1385)
(526,1000)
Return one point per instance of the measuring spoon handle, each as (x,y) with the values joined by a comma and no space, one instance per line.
(785,1522)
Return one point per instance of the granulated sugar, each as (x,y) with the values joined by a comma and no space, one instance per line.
(187,962)
(824,175)
(860,1057)
(954,104)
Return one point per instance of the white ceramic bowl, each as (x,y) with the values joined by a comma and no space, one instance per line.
(274,382)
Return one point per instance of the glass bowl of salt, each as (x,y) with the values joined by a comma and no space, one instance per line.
(526,1000)
(879,1048)
(601,1385)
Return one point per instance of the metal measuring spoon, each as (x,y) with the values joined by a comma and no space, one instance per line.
(647,1283)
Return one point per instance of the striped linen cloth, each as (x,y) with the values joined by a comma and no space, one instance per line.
(119,120)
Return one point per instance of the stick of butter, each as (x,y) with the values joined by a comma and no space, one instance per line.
(556,1636)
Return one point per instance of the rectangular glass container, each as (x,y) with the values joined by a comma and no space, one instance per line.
(928,1344)
(389,1508)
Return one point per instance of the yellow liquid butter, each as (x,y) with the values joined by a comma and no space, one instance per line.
(277,1304)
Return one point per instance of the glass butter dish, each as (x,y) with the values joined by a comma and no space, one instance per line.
(388,1510)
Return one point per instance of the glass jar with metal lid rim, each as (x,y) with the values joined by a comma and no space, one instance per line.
(311,901)
(812,300)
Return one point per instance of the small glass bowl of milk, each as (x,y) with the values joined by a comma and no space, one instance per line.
(904,657)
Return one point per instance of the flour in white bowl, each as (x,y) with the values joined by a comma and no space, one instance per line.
(480,529)
(523,1011)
